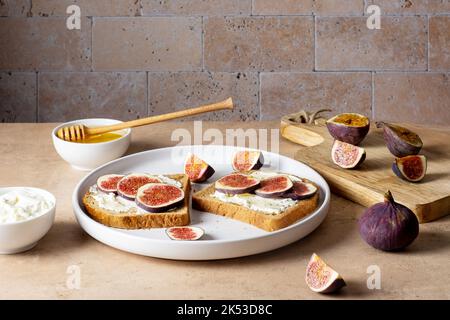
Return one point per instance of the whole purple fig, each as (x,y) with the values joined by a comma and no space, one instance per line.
(388,226)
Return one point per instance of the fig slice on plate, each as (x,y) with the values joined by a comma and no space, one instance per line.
(185,233)
(400,141)
(322,278)
(159,197)
(410,168)
(108,183)
(349,127)
(346,155)
(237,183)
(301,190)
(244,161)
(274,187)
(128,186)
(196,169)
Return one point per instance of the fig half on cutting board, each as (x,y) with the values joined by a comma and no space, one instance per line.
(349,127)
(400,141)
(346,155)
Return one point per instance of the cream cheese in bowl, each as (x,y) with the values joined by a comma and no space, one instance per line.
(26,215)
(23,204)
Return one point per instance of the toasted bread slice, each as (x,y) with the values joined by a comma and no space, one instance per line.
(204,201)
(134,220)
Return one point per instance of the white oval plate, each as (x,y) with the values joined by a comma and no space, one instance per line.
(224,238)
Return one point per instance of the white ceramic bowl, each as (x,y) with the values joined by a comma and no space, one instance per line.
(88,156)
(21,236)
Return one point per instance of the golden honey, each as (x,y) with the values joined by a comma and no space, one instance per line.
(104,137)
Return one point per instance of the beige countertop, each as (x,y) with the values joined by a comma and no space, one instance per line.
(27,158)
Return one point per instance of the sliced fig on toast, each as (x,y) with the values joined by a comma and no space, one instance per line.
(128,186)
(185,233)
(322,278)
(346,155)
(244,161)
(237,183)
(108,183)
(159,197)
(196,169)
(301,190)
(274,187)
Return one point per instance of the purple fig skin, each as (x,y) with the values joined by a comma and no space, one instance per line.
(388,226)
(159,209)
(206,175)
(396,145)
(348,134)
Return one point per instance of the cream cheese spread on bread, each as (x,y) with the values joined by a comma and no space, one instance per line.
(257,203)
(115,203)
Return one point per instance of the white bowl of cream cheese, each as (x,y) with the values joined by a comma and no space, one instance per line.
(26,215)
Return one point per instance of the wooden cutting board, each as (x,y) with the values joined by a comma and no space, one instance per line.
(366,185)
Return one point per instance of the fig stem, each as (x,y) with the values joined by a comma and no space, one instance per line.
(388,197)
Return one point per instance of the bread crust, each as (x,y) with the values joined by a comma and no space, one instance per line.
(131,220)
(203,201)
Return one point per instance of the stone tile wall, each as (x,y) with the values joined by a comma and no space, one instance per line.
(134,58)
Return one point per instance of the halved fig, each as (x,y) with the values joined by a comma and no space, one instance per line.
(185,233)
(349,127)
(410,168)
(346,155)
(244,161)
(400,141)
(237,183)
(108,183)
(322,278)
(196,169)
(128,186)
(274,187)
(301,190)
(159,197)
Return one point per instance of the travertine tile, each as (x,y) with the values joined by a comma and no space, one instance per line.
(285,93)
(17,97)
(440,43)
(411,6)
(413,97)
(147,43)
(75,95)
(44,44)
(108,8)
(259,43)
(347,44)
(13,8)
(318,7)
(196,7)
(176,91)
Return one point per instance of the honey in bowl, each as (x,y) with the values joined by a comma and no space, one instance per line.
(104,137)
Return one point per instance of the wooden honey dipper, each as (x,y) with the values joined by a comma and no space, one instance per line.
(80,132)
